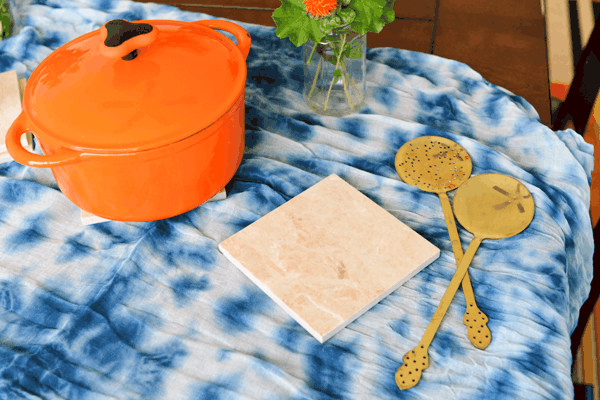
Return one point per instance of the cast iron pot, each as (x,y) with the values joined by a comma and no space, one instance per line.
(139,121)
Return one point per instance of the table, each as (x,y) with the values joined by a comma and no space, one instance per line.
(154,311)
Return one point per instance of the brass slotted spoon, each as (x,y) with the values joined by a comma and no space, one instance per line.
(491,206)
(436,164)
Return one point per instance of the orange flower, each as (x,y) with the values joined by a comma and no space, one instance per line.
(320,8)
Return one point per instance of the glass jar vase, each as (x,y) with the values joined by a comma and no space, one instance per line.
(335,73)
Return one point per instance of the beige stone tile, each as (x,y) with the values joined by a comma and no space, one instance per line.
(328,255)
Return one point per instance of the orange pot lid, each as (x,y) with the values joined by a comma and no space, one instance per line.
(156,83)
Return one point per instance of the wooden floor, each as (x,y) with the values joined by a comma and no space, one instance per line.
(502,40)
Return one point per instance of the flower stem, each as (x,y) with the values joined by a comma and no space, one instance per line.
(357,91)
(336,68)
(316,77)
(311,54)
(346,84)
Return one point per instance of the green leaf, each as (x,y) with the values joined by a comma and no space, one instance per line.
(295,3)
(327,24)
(4,20)
(354,52)
(293,22)
(347,15)
(358,27)
(364,16)
(368,15)
(316,32)
(389,14)
(378,24)
(337,73)
(336,49)
(4,9)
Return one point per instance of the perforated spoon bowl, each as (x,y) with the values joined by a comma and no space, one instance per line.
(439,165)
(491,206)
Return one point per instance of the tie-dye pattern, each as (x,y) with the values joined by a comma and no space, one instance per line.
(154,310)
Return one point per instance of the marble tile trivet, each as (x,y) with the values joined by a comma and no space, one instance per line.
(328,255)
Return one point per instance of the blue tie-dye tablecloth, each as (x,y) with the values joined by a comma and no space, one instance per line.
(155,311)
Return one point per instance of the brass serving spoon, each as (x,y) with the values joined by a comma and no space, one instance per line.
(439,165)
(491,206)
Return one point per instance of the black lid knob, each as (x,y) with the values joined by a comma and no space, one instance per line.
(119,31)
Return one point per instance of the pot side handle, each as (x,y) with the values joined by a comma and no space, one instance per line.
(19,154)
(242,36)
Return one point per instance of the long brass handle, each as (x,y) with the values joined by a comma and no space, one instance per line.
(474,319)
(416,360)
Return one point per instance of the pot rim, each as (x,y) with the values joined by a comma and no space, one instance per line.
(64,157)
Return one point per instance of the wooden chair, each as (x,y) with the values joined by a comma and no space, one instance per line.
(581,112)
(584,88)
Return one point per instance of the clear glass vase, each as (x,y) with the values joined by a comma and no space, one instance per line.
(335,74)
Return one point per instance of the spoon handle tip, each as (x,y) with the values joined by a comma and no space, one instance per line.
(409,373)
(476,322)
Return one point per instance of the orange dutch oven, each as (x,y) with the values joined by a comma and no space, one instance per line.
(139,121)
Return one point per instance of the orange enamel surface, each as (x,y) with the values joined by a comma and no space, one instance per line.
(160,183)
(145,139)
(181,83)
